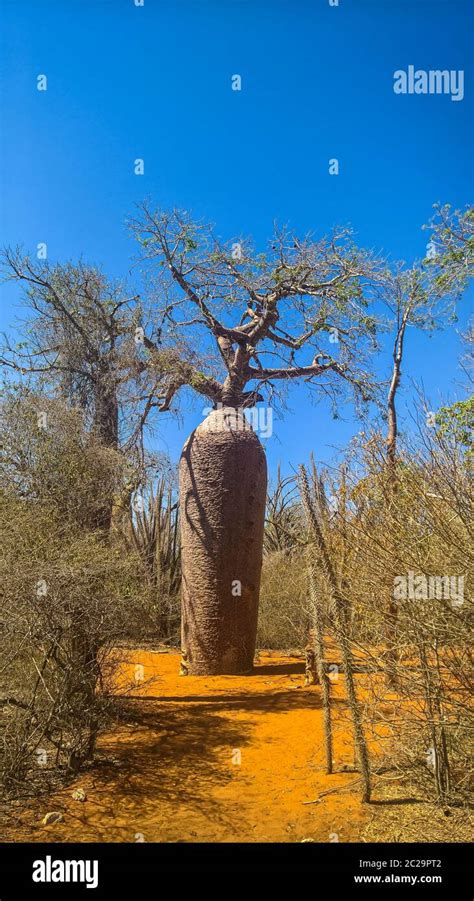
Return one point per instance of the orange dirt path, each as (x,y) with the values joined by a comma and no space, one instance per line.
(171,772)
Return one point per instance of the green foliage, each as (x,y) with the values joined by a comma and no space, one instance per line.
(451,250)
(457,422)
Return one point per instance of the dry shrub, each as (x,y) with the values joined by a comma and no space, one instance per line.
(283,620)
(66,598)
(67,592)
(413,534)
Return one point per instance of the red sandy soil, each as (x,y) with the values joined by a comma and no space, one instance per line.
(170,772)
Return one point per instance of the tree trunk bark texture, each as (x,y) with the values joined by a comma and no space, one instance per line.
(223,481)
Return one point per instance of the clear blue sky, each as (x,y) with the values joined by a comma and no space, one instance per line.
(317,83)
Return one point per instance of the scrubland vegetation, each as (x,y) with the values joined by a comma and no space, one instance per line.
(366,559)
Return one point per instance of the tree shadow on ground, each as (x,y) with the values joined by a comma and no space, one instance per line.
(172,754)
(168,761)
(278,669)
(180,750)
(251,701)
(175,754)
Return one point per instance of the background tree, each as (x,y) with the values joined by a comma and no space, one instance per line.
(78,348)
(416,299)
(424,295)
(78,342)
(451,247)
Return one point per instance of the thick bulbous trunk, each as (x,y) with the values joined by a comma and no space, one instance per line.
(223,480)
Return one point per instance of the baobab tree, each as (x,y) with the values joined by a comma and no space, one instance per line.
(233,325)
(78,343)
